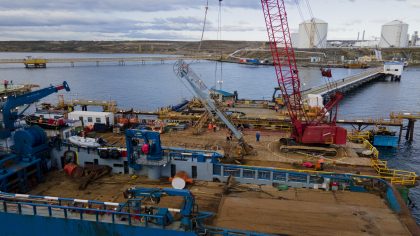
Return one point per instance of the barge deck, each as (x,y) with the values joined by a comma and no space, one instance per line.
(279,212)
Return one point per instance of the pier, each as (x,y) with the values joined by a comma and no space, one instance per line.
(411,118)
(396,119)
(348,83)
(15,89)
(362,124)
(121,61)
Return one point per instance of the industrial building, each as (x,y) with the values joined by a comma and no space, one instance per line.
(415,39)
(92,117)
(366,44)
(313,34)
(394,34)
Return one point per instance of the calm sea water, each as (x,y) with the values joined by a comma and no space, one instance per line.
(154,85)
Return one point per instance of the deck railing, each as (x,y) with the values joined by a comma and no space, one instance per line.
(23,204)
(395,176)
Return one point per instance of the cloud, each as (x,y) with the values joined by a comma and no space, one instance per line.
(21,18)
(125,5)
(101,5)
(352,23)
(123,18)
(175,19)
(59,24)
(414,3)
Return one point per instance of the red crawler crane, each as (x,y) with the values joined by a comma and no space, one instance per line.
(306,130)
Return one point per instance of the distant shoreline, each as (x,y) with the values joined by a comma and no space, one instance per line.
(209,49)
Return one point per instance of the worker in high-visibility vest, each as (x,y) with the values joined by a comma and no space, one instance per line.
(320,164)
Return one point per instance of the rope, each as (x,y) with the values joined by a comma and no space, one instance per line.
(301,16)
(313,24)
(219,38)
(204,25)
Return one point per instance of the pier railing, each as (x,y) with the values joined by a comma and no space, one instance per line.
(346,81)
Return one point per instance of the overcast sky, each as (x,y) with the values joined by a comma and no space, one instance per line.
(183,19)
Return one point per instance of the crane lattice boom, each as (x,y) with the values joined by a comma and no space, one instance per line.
(284,59)
(305,130)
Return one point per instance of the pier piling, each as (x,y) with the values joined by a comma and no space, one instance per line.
(410,130)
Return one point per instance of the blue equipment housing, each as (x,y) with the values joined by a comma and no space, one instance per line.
(29,141)
(385,141)
(135,139)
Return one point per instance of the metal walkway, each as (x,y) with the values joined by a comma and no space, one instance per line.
(120,60)
(347,83)
(381,167)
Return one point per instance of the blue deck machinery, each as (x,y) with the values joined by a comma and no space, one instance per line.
(158,156)
(23,162)
(191,218)
(153,158)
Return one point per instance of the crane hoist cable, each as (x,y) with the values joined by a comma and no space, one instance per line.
(313,23)
(313,27)
(204,25)
(301,16)
(328,82)
(219,38)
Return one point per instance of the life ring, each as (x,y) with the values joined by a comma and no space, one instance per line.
(69,156)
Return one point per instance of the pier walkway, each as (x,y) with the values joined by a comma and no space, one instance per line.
(98,60)
(347,83)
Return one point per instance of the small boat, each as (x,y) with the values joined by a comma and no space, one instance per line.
(356,65)
(84,142)
(180,106)
(46,123)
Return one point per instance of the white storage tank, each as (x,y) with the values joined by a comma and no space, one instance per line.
(295,39)
(394,34)
(313,34)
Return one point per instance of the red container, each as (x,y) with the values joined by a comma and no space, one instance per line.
(124,153)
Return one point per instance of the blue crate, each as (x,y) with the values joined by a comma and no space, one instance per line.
(385,141)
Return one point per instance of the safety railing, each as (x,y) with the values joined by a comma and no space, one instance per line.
(380,166)
(215,231)
(348,80)
(54,207)
(405,115)
(393,175)
(174,153)
(373,149)
(358,136)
